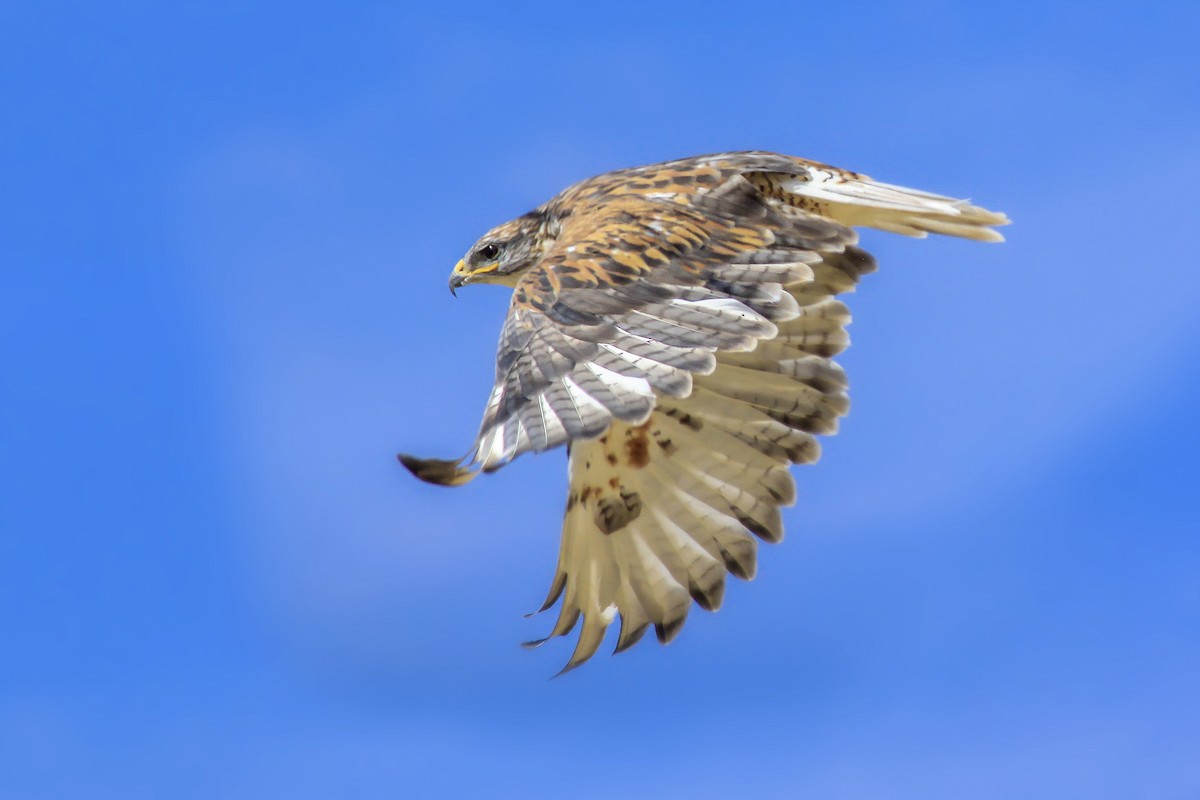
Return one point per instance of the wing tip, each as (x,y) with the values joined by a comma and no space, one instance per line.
(439,472)
(569,667)
(668,629)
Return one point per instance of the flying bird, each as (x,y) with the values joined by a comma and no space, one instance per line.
(674,326)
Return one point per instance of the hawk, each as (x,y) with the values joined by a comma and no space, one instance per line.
(674,326)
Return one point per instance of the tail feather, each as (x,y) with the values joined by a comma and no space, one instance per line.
(856,200)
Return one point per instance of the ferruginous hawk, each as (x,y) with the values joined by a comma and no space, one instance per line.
(674,325)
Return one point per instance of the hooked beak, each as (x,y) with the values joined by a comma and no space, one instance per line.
(461,275)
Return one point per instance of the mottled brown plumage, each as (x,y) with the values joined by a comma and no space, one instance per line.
(674,324)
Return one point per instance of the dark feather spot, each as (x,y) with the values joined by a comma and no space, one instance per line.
(615,512)
(637,449)
(709,599)
(564,314)
(631,637)
(756,527)
(734,566)
(684,419)
(668,629)
(571,282)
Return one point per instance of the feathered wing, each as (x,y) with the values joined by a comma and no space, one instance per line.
(657,513)
(679,336)
(635,299)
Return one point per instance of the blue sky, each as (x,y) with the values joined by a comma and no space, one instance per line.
(226,233)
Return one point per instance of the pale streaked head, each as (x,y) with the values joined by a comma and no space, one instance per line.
(503,253)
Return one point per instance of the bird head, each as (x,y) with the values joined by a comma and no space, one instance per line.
(503,253)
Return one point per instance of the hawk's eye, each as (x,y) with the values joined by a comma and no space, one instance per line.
(489,252)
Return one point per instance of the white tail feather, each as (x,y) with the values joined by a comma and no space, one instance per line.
(858,200)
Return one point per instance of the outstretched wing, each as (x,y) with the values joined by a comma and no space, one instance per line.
(636,306)
(636,297)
